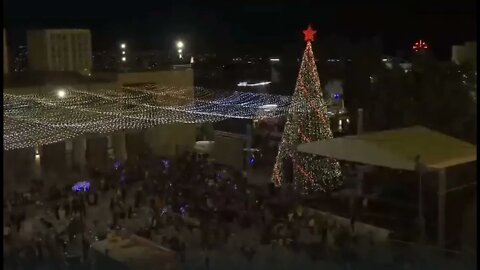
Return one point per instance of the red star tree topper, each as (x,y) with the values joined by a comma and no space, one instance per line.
(309,34)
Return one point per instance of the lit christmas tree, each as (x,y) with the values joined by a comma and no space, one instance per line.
(307,121)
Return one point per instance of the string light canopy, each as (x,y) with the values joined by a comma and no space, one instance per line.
(38,119)
(44,118)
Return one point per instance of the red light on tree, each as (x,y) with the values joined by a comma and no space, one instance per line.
(419,46)
(309,34)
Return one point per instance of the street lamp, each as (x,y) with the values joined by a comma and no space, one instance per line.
(123,54)
(180,49)
(61,93)
(37,154)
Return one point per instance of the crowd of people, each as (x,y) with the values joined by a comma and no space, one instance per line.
(202,211)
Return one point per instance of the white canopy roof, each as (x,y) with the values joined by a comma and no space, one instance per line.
(396,149)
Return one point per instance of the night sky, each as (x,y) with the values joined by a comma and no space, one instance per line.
(261,26)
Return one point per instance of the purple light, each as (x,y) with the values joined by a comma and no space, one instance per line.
(182,210)
(83,186)
(117,164)
(166,163)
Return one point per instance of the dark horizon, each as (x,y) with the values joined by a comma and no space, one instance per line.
(247,26)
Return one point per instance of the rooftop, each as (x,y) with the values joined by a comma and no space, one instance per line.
(397,149)
(28,79)
(61,30)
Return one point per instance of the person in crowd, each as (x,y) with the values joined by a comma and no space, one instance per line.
(138,195)
(197,184)
(112,204)
(207,260)
(56,211)
(311,225)
(129,212)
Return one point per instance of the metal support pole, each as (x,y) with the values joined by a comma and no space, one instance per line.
(421,217)
(442,186)
(248,168)
(110,150)
(119,146)
(68,154)
(79,153)
(420,169)
(360,121)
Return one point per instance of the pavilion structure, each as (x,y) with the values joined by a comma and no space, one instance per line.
(401,149)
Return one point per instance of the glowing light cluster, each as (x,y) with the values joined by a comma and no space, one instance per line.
(83,186)
(419,46)
(246,84)
(307,121)
(38,119)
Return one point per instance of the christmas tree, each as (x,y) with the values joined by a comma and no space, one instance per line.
(307,121)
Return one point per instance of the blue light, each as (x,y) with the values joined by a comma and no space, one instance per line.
(252,160)
(83,186)
(336,96)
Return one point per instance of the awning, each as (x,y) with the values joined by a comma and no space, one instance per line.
(396,149)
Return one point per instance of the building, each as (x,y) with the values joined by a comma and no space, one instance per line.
(166,139)
(93,150)
(60,50)
(128,60)
(20,59)
(5,53)
(391,61)
(465,54)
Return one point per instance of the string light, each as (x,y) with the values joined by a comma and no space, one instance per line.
(307,121)
(39,119)
(44,118)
